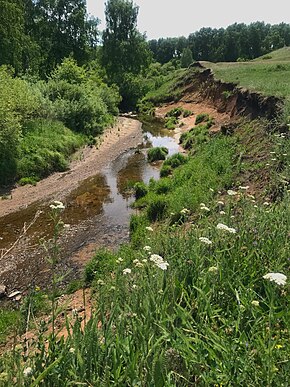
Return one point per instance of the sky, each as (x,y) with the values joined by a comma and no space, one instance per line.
(173,18)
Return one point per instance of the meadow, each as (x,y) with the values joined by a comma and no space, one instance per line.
(200,296)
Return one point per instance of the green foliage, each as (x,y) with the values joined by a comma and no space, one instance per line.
(18,103)
(157,153)
(157,208)
(176,112)
(45,148)
(202,117)
(124,53)
(9,320)
(171,122)
(186,57)
(140,189)
(176,160)
(102,263)
(28,180)
(165,170)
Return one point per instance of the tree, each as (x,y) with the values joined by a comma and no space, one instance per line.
(124,48)
(186,57)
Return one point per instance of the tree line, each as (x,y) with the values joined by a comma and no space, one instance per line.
(236,42)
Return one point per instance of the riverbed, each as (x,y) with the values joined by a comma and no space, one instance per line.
(97,213)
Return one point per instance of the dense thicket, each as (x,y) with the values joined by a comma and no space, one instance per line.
(224,44)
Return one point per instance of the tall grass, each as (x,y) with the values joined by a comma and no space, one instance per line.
(46,147)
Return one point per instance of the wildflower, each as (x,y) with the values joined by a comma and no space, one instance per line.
(113,288)
(221,203)
(144,260)
(272,153)
(134,286)
(266,203)
(251,196)
(278,346)
(119,260)
(27,372)
(56,205)
(184,211)
(231,192)
(72,350)
(135,261)
(162,265)
(222,213)
(100,282)
(278,278)
(147,248)
(213,269)
(202,205)
(255,303)
(204,208)
(205,240)
(149,228)
(244,187)
(156,258)
(139,264)
(127,271)
(284,154)
(211,190)
(274,159)
(224,227)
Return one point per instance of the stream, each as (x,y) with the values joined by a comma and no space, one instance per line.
(97,215)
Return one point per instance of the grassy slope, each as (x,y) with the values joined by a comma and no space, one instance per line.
(268,76)
(210,318)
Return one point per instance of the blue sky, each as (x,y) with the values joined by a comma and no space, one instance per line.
(165,18)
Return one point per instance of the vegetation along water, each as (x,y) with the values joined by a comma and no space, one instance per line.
(194,287)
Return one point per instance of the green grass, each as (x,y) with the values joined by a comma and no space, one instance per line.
(45,148)
(8,321)
(269,77)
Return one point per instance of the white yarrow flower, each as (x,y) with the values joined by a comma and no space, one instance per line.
(255,303)
(278,278)
(224,227)
(27,371)
(205,240)
(162,265)
(213,269)
(204,208)
(222,213)
(184,211)
(147,248)
(149,228)
(57,205)
(127,271)
(231,192)
(244,187)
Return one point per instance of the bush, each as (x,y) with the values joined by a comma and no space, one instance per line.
(176,112)
(28,180)
(157,153)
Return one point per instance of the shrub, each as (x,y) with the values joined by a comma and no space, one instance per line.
(28,180)
(187,113)
(157,153)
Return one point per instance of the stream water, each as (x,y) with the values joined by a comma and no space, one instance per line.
(97,214)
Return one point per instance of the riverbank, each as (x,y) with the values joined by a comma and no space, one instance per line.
(124,135)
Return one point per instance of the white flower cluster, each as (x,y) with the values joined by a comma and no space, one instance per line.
(205,240)
(231,192)
(159,261)
(224,227)
(203,207)
(56,205)
(278,278)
